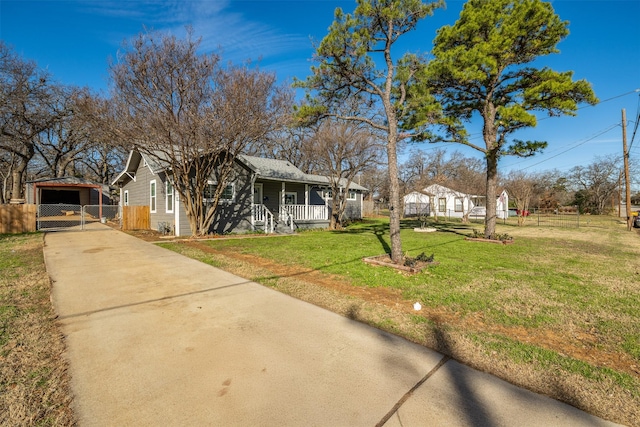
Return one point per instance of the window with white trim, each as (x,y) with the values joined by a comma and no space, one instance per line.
(352,195)
(228,194)
(458,204)
(169,197)
(125,202)
(209,192)
(152,196)
(291,198)
(442,204)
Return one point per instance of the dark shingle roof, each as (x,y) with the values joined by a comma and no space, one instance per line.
(280,170)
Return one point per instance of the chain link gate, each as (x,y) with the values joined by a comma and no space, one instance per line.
(60,216)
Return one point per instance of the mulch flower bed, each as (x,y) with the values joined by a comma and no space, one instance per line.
(479,239)
(385,261)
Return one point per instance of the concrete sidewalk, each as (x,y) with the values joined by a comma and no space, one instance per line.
(155,338)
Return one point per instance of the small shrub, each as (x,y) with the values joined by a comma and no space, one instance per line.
(475,234)
(412,262)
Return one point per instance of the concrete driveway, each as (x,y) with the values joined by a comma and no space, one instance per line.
(155,338)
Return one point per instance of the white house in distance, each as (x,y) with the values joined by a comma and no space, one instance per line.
(438,200)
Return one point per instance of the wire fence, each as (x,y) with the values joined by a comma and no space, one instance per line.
(67,216)
(541,218)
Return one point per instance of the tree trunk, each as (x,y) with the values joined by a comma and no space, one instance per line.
(394,199)
(492,184)
(17,193)
(334,220)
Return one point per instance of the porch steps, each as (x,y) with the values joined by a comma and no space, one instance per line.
(282,228)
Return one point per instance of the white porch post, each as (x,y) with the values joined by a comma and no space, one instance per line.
(176,209)
(282,197)
(253,203)
(306,201)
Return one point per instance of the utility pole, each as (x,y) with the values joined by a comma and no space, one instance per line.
(625,156)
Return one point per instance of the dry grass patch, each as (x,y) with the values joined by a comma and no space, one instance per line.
(34,385)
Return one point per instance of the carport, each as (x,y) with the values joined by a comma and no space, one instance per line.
(66,190)
(62,201)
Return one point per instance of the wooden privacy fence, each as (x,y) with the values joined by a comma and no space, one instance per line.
(17,218)
(136,218)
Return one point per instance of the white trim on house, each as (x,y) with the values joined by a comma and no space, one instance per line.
(169,202)
(176,218)
(153,196)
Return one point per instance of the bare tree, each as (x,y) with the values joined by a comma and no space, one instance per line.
(27,109)
(551,190)
(521,187)
(7,162)
(375,180)
(69,137)
(343,150)
(454,170)
(107,154)
(292,143)
(421,169)
(596,183)
(192,115)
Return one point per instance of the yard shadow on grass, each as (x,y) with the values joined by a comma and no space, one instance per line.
(465,401)
(474,409)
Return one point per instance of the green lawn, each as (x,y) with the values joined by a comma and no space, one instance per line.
(536,281)
(565,300)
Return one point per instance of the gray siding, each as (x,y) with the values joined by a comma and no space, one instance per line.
(185,228)
(231,216)
(235,216)
(353,210)
(140,195)
(271,195)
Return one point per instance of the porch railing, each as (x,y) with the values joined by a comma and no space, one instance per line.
(263,215)
(305,212)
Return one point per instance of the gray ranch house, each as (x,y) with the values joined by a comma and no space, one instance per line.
(264,194)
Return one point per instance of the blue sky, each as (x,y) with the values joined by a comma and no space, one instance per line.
(74,40)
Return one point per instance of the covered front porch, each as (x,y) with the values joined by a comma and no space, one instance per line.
(280,204)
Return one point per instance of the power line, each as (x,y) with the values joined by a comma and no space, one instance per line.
(573,147)
(637,121)
(477,134)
